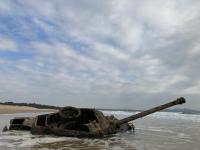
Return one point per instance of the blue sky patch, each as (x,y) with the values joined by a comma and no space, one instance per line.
(15,56)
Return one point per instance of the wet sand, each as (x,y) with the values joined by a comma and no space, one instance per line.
(7,109)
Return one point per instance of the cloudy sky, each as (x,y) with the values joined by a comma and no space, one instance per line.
(100,53)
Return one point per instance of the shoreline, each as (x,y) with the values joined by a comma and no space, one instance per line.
(8,109)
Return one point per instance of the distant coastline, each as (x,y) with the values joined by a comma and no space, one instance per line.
(11,108)
(8,109)
(183,110)
(34,107)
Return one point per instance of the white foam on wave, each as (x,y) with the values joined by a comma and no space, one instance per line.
(125,113)
(161,115)
(156,130)
(176,116)
(38,140)
(25,139)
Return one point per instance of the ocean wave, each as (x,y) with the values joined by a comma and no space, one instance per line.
(160,115)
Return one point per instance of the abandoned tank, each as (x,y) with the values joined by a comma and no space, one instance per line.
(81,122)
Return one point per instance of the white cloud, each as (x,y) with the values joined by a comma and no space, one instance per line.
(105,50)
(4,61)
(7,44)
(4,6)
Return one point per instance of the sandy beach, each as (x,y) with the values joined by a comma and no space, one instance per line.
(7,109)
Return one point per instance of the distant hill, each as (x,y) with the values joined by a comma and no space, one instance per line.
(184,111)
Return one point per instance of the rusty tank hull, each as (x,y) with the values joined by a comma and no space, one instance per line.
(81,122)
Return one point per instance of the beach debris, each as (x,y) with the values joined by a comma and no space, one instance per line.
(82,122)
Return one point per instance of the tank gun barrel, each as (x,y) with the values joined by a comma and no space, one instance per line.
(180,100)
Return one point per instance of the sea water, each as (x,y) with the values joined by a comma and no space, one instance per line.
(159,131)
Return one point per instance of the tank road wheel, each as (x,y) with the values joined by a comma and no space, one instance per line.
(69,113)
